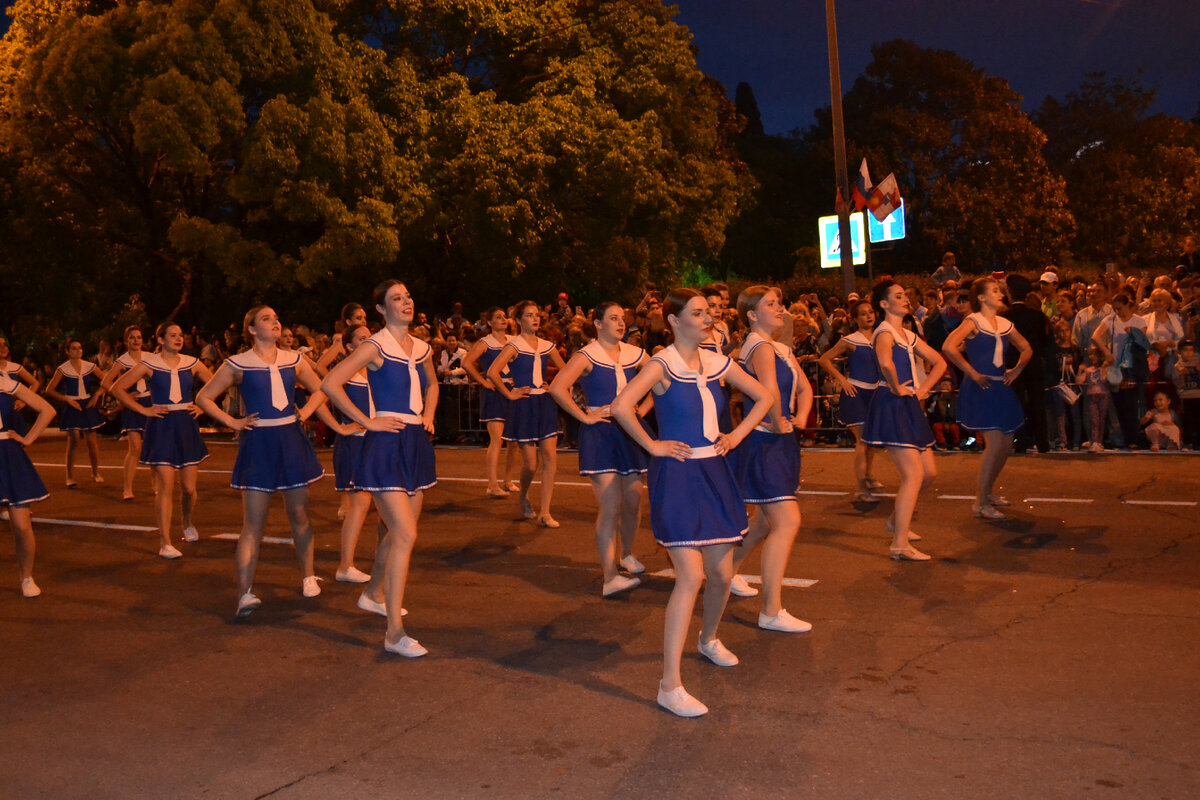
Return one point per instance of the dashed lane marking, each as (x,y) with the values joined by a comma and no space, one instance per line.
(79,523)
(1160,502)
(1080,500)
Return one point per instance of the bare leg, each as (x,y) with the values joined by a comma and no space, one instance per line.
(718,572)
(22,527)
(549,448)
(495,431)
(528,465)
(631,511)
(917,471)
(783,521)
(93,447)
(997,448)
(356,514)
(187,481)
(861,452)
(133,450)
(513,465)
(296,503)
(689,572)
(162,503)
(607,489)
(71,440)
(759,527)
(395,509)
(254,521)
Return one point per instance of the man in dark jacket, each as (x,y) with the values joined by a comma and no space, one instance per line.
(1030,386)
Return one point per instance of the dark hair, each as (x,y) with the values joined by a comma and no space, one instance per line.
(749,298)
(379,293)
(879,293)
(602,308)
(520,307)
(977,287)
(676,300)
(863,302)
(711,291)
(349,309)
(162,329)
(128,330)
(491,312)
(1124,298)
(1018,286)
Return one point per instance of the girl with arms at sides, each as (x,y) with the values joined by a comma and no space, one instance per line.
(397,462)
(986,402)
(17,372)
(79,416)
(895,420)
(532,420)
(273,454)
(612,461)
(494,407)
(133,423)
(858,386)
(20,485)
(172,442)
(767,464)
(696,508)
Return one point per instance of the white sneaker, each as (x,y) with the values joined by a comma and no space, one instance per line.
(311,587)
(352,575)
(680,703)
(190,534)
(783,622)
(169,551)
(631,565)
(367,604)
(741,587)
(621,583)
(29,588)
(406,646)
(718,653)
(247,605)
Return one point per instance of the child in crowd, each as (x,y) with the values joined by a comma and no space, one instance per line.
(1187,383)
(1063,416)
(1096,396)
(1162,426)
(942,410)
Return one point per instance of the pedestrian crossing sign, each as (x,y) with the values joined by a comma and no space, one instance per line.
(831,252)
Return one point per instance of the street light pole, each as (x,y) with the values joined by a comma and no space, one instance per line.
(839,152)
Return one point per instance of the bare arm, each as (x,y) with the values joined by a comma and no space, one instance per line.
(432,392)
(120,390)
(334,388)
(560,390)
(506,355)
(935,373)
(227,375)
(45,413)
(826,363)
(952,349)
(471,364)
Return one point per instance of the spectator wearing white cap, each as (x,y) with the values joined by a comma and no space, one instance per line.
(1048,286)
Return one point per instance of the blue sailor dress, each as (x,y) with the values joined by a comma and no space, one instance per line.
(718,345)
(605,446)
(17,423)
(767,464)
(995,408)
(862,370)
(695,502)
(79,387)
(534,416)
(172,440)
(493,406)
(403,460)
(347,450)
(20,483)
(273,455)
(131,421)
(892,420)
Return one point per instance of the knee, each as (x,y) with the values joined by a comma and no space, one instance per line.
(929,476)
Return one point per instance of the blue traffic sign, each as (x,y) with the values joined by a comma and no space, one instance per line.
(891,229)
(831,247)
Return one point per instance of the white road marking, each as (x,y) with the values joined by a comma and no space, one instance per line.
(79,523)
(1057,500)
(266,539)
(824,494)
(1161,502)
(802,583)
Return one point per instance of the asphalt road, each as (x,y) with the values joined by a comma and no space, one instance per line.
(1052,655)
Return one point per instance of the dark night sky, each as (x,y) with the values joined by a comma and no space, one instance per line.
(1042,47)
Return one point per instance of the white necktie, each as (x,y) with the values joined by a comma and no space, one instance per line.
(279,398)
(786,355)
(140,388)
(903,342)
(621,379)
(370,402)
(998,353)
(175,393)
(708,403)
(415,403)
(537,367)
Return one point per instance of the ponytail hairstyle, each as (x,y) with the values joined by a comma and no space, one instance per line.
(749,298)
(879,294)
(248,320)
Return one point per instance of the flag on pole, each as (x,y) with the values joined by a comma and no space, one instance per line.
(862,187)
(885,198)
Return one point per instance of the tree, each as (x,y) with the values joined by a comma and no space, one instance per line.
(1133,177)
(968,161)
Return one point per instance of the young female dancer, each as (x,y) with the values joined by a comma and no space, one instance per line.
(986,402)
(493,406)
(858,386)
(79,417)
(610,459)
(20,484)
(14,370)
(533,418)
(895,420)
(696,508)
(767,465)
(172,440)
(133,423)
(397,462)
(347,451)
(273,453)
(353,316)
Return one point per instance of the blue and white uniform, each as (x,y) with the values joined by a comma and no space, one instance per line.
(719,344)
(20,483)
(347,450)
(493,406)
(17,423)
(892,420)
(695,502)
(995,408)
(605,447)
(767,464)
(274,455)
(862,371)
(172,440)
(131,420)
(78,386)
(534,416)
(403,460)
